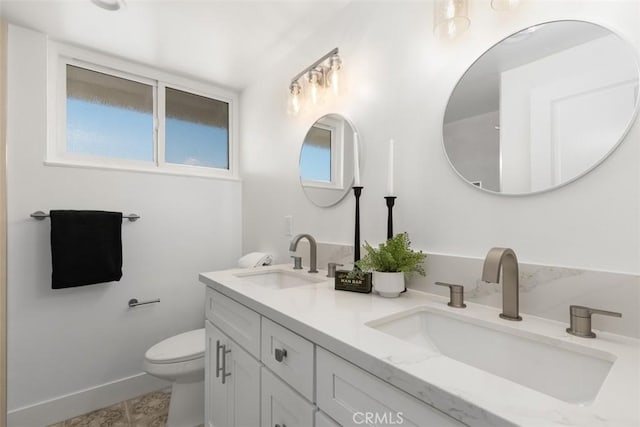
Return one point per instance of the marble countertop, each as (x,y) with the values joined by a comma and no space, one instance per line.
(337,321)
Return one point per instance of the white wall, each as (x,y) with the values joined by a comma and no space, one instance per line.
(64,341)
(400,80)
(473,146)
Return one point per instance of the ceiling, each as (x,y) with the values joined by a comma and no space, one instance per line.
(225,42)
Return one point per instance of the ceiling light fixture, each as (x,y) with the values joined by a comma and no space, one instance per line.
(504,5)
(111,5)
(321,76)
(450,18)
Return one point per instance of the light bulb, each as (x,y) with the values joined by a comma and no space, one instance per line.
(294,98)
(502,5)
(450,18)
(333,76)
(314,86)
(111,5)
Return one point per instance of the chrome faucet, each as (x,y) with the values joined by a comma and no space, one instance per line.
(312,250)
(505,259)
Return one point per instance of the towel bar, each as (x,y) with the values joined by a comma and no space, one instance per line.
(133,302)
(39,215)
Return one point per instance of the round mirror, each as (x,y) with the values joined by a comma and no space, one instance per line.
(326,160)
(541,108)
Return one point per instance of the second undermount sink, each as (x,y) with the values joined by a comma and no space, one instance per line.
(569,372)
(279,279)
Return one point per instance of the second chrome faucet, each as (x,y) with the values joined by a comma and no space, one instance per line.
(312,250)
(505,259)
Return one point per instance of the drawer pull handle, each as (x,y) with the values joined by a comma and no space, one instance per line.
(218,368)
(222,368)
(280,425)
(225,374)
(280,355)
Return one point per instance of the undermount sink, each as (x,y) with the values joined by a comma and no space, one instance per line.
(279,279)
(566,371)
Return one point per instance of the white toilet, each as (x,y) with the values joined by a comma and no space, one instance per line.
(180,359)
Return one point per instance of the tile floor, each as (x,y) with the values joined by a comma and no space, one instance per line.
(149,410)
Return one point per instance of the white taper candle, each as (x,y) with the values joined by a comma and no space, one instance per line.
(356,161)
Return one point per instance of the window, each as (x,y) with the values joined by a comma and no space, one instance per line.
(111,114)
(108,116)
(315,157)
(321,156)
(196,130)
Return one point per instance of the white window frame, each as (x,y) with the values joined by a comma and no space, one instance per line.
(60,55)
(336,129)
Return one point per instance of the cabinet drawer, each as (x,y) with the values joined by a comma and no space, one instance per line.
(283,406)
(288,355)
(234,319)
(354,397)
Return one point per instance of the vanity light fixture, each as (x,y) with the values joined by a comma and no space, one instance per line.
(111,5)
(321,76)
(504,5)
(450,18)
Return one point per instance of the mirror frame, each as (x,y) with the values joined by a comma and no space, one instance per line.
(632,120)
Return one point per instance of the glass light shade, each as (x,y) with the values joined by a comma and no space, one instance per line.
(502,5)
(450,18)
(314,87)
(111,5)
(333,76)
(294,98)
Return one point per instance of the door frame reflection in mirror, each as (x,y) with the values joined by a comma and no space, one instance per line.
(633,62)
(324,193)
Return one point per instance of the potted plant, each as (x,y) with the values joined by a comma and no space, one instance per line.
(389,264)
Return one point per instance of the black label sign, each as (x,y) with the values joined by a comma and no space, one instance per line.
(360,283)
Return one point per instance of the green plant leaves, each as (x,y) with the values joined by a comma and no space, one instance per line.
(395,255)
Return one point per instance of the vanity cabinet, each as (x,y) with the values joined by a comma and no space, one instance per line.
(232,382)
(278,378)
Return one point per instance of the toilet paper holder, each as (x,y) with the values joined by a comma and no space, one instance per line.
(133,302)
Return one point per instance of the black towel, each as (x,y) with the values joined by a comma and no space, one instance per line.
(86,247)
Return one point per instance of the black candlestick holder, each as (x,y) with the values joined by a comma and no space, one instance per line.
(391,200)
(357,191)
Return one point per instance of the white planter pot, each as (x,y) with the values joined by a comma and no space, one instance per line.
(388,285)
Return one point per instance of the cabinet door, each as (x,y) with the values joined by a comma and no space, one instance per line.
(244,387)
(354,397)
(216,396)
(236,402)
(281,406)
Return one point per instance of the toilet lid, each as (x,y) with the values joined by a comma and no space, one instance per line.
(179,348)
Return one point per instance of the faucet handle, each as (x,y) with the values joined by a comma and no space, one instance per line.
(331,268)
(297,262)
(456,294)
(580,320)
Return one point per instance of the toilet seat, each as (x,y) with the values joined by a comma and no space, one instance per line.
(179,348)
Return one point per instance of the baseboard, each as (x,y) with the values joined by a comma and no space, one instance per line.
(81,402)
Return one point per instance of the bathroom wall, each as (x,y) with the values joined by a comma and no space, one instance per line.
(399,79)
(72,350)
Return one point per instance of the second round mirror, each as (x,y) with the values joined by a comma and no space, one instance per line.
(542,107)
